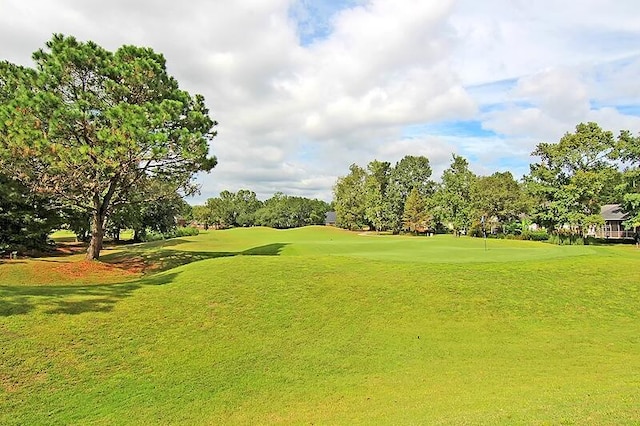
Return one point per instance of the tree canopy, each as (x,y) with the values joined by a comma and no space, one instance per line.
(570,181)
(88,127)
(416,215)
(375,197)
(627,150)
(230,209)
(377,205)
(244,209)
(26,218)
(349,197)
(498,198)
(454,195)
(409,174)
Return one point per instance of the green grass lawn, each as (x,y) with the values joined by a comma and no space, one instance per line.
(323,326)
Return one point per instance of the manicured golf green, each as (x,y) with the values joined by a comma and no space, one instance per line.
(323,326)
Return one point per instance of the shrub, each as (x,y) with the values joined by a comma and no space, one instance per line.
(535,235)
(590,240)
(153,236)
(514,237)
(553,239)
(187,231)
(565,239)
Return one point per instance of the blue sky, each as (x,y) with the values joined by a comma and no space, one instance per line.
(304,88)
(313,18)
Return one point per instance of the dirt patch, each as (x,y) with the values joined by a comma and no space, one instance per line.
(88,268)
(71,269)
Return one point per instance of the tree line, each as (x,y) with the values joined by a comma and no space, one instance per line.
(564,190)
(244,209)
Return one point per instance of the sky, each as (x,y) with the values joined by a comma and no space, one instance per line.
(301,89)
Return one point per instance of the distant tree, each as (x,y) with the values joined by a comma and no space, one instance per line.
(282,211)
(378,209)
(201,215)
(246,204)
(454,195)
(411,172)
(274,214)
(144,213)
(498,197)
(218,211)
(88,126)
(78,221)
(416,215)
(349,199)
(185,216)
(318,210)
(230,209)
(570,181)
(226,209)
(161,215)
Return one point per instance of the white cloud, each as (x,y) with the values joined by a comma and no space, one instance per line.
(295,113)
(559,93)
(506,39)
(611,119)
(544,106)
(615,82)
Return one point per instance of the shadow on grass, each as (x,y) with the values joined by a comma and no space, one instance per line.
(72,300)
(78,299)
(68,246)
(154,259)
(266,250)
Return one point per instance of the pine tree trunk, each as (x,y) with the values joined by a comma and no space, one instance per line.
(98,220)
(97,235)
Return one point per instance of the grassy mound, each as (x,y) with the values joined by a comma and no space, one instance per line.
(319,325)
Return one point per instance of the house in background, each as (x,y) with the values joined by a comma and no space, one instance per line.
(613,227)
(330,219)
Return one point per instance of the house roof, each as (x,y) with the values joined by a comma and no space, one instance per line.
(613,212)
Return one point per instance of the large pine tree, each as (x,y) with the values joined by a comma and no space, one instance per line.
(88,127)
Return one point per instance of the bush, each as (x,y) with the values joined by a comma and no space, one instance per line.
(514,237)
(153,236)
(187,231)
(590,240)
(556,239)
(535,235)
(564,239)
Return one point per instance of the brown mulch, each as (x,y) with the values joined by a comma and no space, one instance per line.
(87,268)
(133,265)
(76,269)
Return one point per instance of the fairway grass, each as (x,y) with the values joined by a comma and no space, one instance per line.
(323,326)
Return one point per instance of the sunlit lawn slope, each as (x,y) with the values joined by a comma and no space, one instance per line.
(319,325)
